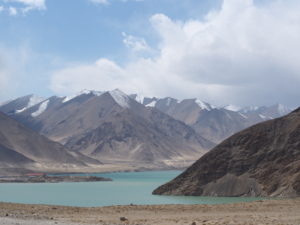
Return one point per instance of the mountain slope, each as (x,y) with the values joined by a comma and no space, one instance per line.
(12,157)
(125,136)
(263,160)
(22,146)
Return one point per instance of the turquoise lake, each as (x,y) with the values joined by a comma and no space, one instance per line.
(126,188)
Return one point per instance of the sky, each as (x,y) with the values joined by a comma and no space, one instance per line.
(240,52)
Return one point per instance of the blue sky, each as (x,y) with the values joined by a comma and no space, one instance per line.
(83,30)
(223,52)
(68,31)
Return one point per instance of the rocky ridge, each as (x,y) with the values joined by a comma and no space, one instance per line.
(263,160)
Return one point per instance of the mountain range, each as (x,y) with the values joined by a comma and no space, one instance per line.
(115,128)
(213,123)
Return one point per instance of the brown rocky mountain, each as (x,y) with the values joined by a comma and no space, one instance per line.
(263,160)
(21,147)
(212,123)
(114,128)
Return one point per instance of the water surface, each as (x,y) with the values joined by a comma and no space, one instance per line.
(126,188)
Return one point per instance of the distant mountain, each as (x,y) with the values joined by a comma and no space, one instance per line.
(266,112)
(263,160)
(21,147)
(215,124)
(112,127)
(20,104)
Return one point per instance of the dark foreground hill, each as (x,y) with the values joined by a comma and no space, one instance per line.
(263,160)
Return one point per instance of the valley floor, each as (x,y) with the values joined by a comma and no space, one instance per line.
(273,212)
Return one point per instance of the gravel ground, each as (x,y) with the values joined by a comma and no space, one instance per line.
(266,212)
(15,221)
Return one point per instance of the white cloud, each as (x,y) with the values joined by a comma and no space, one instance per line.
(1,8)
(99,75)
(26,6)
(242,54)
(136,44)
(12,11)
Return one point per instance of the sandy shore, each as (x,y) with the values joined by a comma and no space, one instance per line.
(275,212)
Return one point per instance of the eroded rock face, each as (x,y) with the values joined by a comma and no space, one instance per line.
(263,160)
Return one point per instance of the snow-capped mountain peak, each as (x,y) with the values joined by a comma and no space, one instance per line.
(151,104)
(120,97)
(249,109)
(138,98)
(268,112)
(203,105)
(169,100)
(83,92)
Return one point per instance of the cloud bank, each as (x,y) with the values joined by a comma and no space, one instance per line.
(241,54)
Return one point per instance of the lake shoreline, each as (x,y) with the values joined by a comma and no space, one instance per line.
(106,167)
(72,176)
(283,211)
(51,179)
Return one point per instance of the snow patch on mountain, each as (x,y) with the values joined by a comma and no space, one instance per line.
(83,92)
(21,110)
(233,108)
(228,115)
(262,116)
(168,101)
(203,105)
(151,104)
(242,115)
(249,109)
(34,100)
(282,110)
(120,97)
(43,106)
(139,98)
